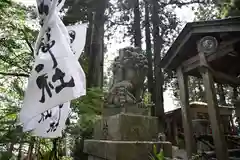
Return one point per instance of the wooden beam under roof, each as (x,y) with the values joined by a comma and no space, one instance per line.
(225,78)
(173,57)
(194,62)
(217,28)
(225,48)
(222,78)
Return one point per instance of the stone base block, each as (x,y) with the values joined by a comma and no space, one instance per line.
(126,127)
(134,109)
(124,150)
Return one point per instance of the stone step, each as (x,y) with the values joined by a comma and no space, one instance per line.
(124,150)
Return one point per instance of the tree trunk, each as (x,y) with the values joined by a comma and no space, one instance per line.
(88,43)
(30,149)
(149,54)
(78,153)
(235,93)
(19,152)
(96,55)
(137,26)
(158,43)
(11,145)
(10,148)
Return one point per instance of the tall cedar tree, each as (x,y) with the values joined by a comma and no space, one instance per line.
(149,53)
(96,55)
(136,25)
(158,83)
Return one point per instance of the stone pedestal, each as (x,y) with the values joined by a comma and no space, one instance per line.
(124,150)
(136,109)
(125,137)
(126,127)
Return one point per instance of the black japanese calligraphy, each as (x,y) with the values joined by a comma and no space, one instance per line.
(72,50)
(59,75)
(59,1)
(43,8)
(46,47)
(45,115)
(42,83)
(60,106)
(72,35)
(54,125)
(42,80)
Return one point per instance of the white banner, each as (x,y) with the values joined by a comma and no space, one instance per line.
(57,76)
(50,123)
(52,127)
(60,4)
(77,35)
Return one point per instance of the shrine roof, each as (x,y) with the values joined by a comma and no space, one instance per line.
(197,104)
(203,104)
(185,45)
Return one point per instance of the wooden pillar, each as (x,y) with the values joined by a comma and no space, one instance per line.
(213,110)
(186,118)
(236,102)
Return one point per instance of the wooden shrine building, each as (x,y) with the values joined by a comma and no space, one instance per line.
(200,123)
(210,50)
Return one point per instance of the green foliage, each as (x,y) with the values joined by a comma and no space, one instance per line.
(66,158)
(87,109)
(230,8)
(91,103)
(147,98)
(4,4)
(16,39)
(5,155)
(86,123)
(156,155)
(206,12)
(15,58)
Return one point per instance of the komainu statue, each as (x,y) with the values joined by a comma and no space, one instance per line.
(129,72)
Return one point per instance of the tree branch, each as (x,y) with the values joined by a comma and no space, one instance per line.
(14,74)
(181,3)
(28,43)
(10,62)
(118,23)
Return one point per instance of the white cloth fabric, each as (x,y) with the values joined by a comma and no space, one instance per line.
(60,4)
(53,127)
(57,77)
(49,124)
(77,38)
